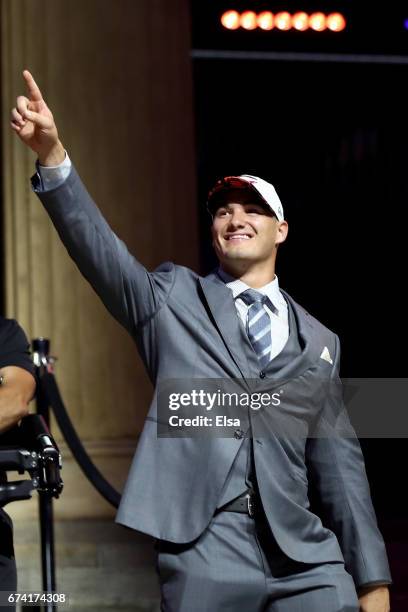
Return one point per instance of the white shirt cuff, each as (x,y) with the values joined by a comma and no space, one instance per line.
(53,176)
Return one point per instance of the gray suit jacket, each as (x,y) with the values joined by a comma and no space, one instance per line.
(186,326)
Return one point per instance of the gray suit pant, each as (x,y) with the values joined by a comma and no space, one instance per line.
(236,565)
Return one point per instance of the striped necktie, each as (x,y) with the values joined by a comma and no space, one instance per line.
(259,323)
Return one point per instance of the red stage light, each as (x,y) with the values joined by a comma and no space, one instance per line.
(265,20)
(230,20)
(283,20)
(300,21)
(248,20)
(336,22)
(317,21)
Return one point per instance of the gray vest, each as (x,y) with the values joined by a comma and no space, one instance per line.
(242,474)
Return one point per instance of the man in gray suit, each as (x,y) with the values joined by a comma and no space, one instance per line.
(232,517)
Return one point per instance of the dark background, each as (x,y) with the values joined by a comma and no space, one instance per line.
(375,28)
(333,139)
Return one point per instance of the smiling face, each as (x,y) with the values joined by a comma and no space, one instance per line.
(245,234)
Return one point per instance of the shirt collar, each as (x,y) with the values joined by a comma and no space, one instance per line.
(237,286)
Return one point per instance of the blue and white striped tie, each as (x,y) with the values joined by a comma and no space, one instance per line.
(259,323)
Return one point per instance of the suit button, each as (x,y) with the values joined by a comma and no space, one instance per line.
(261,374)
(238,434)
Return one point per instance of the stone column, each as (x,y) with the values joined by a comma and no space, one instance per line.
(117,76)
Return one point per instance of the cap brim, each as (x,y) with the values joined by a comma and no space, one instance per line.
(215,196)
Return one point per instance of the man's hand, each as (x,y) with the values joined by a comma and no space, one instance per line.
(374,599)
(32,120)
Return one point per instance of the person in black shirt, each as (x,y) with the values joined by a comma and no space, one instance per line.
(17,387)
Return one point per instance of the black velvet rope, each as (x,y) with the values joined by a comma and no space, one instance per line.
(50,389)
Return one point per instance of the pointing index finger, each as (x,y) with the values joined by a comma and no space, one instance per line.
(33,89)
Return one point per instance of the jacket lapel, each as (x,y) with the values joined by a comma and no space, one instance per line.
(223,310)
(309,335)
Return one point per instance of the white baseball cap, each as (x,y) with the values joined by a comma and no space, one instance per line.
(262,188)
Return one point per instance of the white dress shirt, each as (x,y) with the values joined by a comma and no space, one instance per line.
(53,176)
(279,320)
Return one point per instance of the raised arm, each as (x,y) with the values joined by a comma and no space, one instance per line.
(131,293)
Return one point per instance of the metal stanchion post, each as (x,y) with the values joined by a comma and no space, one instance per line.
(41,349)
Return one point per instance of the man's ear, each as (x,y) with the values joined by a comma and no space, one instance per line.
(281,232)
